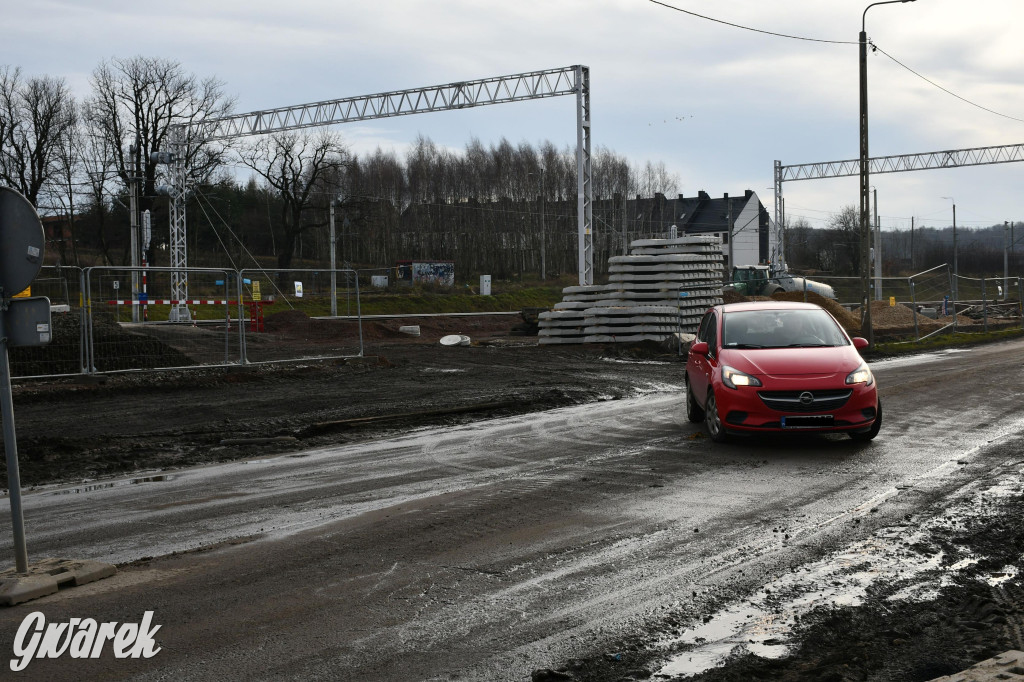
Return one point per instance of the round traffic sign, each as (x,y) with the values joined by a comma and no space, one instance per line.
(21,242)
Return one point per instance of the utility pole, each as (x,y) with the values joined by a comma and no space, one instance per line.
(1006,258)
(782,238)
(878,251)
(334,274)
(956,272)
(911,242)
(625,224)
(956,269)
(865,230)
(134,222)
(732,259)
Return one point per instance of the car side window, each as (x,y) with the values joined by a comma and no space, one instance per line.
(703,325)
(709,332)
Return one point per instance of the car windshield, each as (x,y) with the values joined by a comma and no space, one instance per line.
(781,329)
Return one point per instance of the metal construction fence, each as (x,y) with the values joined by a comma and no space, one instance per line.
(229,318)
(928,303)
(237,317)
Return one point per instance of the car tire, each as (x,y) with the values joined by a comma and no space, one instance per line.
(864,436)
(693,411)
(773,289)
(713,421)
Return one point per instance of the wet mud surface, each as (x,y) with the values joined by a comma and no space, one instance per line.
(928,597)
(97,426)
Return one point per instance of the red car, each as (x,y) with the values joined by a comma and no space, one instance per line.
(779,367)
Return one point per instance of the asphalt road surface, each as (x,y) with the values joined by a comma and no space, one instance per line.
(489,550)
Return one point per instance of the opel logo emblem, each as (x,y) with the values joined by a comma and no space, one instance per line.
(806,398)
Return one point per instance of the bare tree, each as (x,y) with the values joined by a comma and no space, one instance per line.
(63,189)
(135,104)
(844,246)
(37,116)
(293,165)
(654,178)
(98,170)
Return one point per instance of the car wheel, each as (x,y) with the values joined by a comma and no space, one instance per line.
(713,421)
(873,431)
(693,411)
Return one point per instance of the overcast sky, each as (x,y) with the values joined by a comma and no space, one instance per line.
(717,104)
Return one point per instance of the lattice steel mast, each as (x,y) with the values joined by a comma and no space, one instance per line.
(900,163)
(459,95)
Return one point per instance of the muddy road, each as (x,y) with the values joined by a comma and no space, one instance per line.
(602,538)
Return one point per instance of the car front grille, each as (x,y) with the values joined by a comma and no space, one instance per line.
(805,401)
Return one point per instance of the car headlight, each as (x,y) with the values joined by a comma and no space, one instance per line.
(861,375)
(733,378)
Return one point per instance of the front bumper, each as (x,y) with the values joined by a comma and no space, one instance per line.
(745,409)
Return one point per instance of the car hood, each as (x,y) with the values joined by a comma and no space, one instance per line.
(819,362)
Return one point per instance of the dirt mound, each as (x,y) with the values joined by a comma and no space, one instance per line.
(849,321)
(286,320)
(114,348)
(898,320)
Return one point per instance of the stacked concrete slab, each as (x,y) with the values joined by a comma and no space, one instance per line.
(662,288)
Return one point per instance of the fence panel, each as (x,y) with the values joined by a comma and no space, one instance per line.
(65,354)
(153,331)
(289,314)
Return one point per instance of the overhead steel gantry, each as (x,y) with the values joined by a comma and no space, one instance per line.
(570,80)
(953,158)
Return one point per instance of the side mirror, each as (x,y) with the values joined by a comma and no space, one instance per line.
(699,348)
(860,342)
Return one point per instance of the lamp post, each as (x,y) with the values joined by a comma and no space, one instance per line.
(865,183)
(956,271)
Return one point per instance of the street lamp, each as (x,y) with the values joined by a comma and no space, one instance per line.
(865,184)
(956,271)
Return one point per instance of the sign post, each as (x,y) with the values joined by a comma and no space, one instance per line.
(21,323)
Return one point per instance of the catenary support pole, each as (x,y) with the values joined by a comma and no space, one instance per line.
(913,307)
(334,273)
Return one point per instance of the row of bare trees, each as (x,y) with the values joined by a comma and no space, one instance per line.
(77,160)
(70,156)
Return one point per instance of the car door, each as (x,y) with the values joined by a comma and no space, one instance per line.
(703,366)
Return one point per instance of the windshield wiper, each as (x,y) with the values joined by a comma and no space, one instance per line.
(743,345)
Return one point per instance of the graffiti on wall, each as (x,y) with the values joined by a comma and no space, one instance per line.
(441,272)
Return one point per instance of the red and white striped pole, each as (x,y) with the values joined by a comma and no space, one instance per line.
(147,233)
(145,296)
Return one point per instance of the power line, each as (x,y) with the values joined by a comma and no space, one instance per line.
(844,42)
(755,30)
(945,90)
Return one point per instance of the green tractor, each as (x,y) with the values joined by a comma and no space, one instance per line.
(758,280)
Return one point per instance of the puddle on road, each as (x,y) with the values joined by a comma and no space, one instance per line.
(763,624)
(624,361)
(654,387)
(150,479)
(1008,573)
(921,359)
(92,487)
